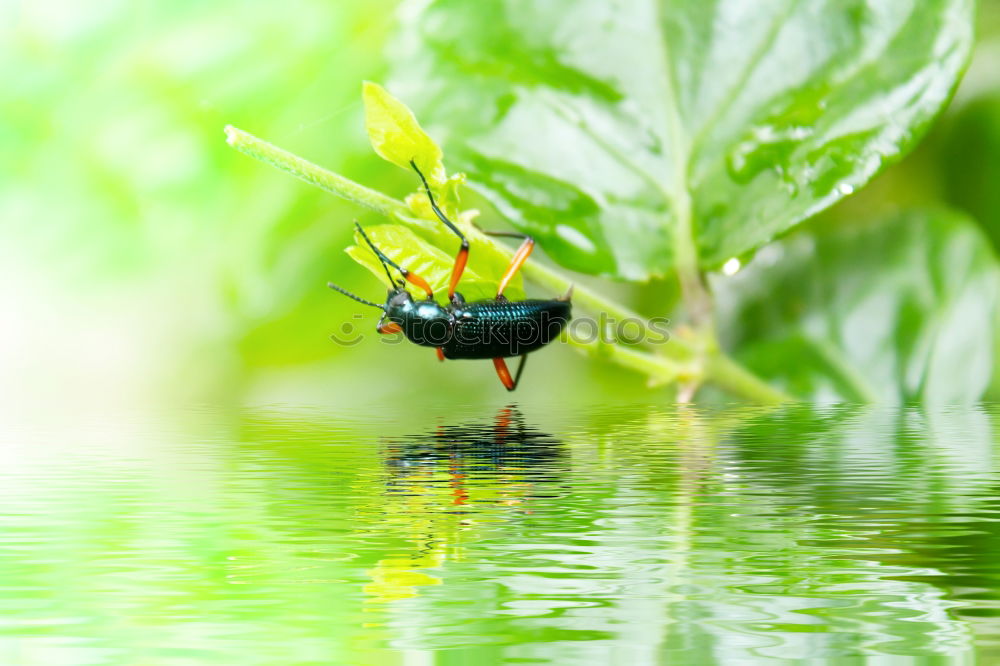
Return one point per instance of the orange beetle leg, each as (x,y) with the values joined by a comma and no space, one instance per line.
(503,373)
(419,282)
(456,272)
(515,263)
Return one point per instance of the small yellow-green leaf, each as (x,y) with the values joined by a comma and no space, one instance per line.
(414,253)
(446,195)
(396,135)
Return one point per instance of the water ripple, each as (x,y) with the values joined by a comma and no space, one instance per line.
(701,535)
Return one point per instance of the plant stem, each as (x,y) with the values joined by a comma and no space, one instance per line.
(680,359)
(588,299)
(659,369)
(696,295)
(313,173)
(733,378)
(393,208)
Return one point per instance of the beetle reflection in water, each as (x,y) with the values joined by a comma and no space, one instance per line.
(455,485)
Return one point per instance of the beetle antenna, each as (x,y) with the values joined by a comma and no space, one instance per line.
(437,211)
(384,260)
(350,295)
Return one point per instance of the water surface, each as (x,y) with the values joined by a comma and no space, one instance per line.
(521,534)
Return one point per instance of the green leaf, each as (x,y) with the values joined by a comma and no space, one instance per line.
(414,253)
(901,311)
(968,160)
(596,125)
(396,135)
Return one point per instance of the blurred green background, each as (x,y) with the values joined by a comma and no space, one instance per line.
(143,259)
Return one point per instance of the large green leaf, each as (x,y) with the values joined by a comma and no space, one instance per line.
(969,160)
(593,123)
(901,311)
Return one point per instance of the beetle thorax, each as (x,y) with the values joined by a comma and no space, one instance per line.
(424,322)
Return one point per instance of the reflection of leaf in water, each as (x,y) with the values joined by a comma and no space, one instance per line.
(398,577)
